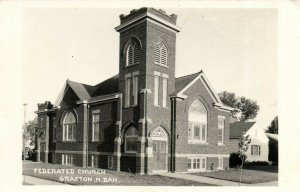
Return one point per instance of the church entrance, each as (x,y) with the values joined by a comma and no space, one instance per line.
(160,150)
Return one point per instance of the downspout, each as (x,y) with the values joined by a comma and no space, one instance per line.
(173,133)
(87,135)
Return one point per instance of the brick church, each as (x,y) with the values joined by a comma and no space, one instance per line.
(142,120)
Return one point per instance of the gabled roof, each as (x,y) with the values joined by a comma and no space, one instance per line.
(185,82)
(86,92)
(182,82)
(239,127)
(80,89)
(106,87)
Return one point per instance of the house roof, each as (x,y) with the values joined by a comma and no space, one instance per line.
(239,127)
(272,136)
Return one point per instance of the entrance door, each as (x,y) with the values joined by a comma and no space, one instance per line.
(160,149)
(160,155)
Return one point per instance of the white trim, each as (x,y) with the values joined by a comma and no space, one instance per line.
(135,73)
(200,155)
(60,95)
(128,75)
(222,163)
(199,168)
(96,111)
(149,17)
(222,118)
(110,158)
(207,86)
(165,75)
(156,73)
(159,134)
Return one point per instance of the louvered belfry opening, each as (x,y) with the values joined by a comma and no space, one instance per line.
(160,54)
(132,53)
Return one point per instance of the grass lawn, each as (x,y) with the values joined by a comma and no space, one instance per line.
(109,178)
(248,176)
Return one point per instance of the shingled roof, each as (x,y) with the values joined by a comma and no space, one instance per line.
(106,87)
(182,82)
(239,127)
(111,86)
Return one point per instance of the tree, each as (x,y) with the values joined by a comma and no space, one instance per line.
(28,134)
(273,127)
(243,147)
(244,109)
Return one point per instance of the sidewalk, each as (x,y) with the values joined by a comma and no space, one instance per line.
(214,181)
(29,180)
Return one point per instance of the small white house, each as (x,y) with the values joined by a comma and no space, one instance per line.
(258,148)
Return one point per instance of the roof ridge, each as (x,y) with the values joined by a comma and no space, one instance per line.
(190,74)
(116,75)
(68,80)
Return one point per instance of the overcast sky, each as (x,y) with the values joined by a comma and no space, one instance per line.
(236,49)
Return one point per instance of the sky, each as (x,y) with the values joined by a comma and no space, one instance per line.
(236,49)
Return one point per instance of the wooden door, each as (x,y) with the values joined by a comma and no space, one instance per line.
(160,155)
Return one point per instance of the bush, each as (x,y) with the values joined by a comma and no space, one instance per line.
(260,163)
(235,160)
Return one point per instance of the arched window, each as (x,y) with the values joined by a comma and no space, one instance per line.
(69,126)
(132,51)
(197,128)
(161,54)
(131,137)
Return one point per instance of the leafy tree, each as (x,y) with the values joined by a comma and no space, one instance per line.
(244,109)
(273,127)
(245,140)
(28,134)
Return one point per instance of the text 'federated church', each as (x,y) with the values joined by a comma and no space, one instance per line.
(142,120)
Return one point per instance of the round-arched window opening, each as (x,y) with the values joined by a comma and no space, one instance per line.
(197,122)
(69,126)
(131,137)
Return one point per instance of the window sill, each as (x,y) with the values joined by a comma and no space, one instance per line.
(127,66)
(69,141)
(197,142)
(220,168)
(130,106)
(166,66)
(131,152)
(196,170)
(221,144)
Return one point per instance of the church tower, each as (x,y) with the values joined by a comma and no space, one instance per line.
(147,76)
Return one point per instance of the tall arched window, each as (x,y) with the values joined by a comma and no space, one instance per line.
(161,54)
(197,128)
(131,137)
(132,51)
(69,126)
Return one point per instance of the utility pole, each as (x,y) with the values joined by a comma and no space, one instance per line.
(24,130)
(24,142)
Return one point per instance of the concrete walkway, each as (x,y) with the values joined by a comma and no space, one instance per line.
(29,180)
(213,181)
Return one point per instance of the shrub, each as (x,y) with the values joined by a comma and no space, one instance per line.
(235,160)
(260,163)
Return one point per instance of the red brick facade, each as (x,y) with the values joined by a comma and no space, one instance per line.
(161,143)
